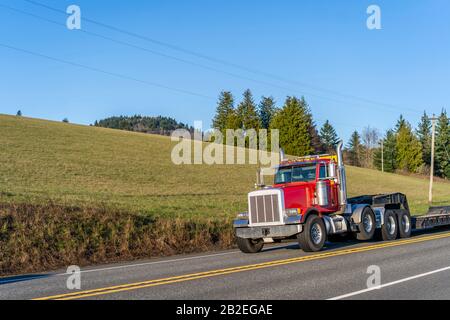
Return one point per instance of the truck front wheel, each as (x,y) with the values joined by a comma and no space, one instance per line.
(250,245)
(313,237)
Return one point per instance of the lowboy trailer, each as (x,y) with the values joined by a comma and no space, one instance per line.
(308,201)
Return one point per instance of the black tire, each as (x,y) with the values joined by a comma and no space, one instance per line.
(367,226)
(250,245)
(404,224)
(389,230)
(313,237)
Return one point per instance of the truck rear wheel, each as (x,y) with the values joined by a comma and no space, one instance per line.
(404,225)
(367,226)
(250,245)
(313,237)
(389,229)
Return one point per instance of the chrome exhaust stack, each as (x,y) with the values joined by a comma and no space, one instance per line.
(341,175)
(282,155)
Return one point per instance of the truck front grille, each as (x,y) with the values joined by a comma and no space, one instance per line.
(264,209)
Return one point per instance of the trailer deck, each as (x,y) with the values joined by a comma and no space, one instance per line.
(436,217)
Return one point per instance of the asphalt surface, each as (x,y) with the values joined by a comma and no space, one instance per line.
(415,268)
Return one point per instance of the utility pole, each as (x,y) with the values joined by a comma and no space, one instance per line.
(433,134)
(382,155)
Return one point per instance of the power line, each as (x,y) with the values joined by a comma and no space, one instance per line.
(98,70)
(169,56)
(216,60)
(117,75)
(346,125)
(164,55)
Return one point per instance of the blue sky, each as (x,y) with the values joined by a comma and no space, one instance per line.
(352,76)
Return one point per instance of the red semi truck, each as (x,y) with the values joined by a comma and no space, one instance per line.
(308,201)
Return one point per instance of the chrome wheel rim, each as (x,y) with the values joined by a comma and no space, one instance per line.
(406,224)
(367,223)
(316,233)
(391,225)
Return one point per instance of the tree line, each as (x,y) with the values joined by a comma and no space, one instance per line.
(403,148)
(155,125)
(298,133)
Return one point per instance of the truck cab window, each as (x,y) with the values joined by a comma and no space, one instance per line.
(304,173)
(323,172)
(301,173)
(283,175)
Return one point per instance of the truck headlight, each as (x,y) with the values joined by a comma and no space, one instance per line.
(242,215)
(292,212)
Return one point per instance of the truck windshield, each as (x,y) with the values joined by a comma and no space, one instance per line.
(302,173)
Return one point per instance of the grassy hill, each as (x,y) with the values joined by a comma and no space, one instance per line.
(50,166)
(81,165)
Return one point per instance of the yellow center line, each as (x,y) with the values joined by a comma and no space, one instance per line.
(218,272)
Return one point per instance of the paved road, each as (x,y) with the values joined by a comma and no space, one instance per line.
(415,268)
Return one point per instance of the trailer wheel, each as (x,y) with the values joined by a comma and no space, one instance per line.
(367,226)
(313,237)
(389,229)
(250,245)
(404,225)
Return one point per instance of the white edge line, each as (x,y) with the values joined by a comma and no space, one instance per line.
(389,284)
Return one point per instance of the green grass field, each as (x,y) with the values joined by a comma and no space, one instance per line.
(82,195)
(80,165)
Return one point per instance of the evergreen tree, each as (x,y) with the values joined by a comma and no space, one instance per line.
(224,111)
(354,148)
(233,120)
(328,136)
(390,152)
(400,123)
(294,122)
(19,113)
(409,150)
(246,112)
(442,156)
(389,155)
(316,143)
(423,132)
(266,111)
(65,120)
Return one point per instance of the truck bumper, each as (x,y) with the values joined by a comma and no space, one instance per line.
(283,231)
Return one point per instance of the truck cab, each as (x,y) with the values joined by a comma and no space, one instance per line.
(309,183)
(308,201)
